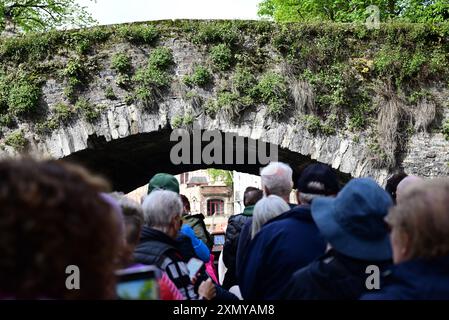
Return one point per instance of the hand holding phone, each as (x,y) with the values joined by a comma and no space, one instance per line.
(194,265)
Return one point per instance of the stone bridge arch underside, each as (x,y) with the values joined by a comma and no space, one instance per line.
(128,146)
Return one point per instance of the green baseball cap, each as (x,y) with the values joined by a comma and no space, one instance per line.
(163,181)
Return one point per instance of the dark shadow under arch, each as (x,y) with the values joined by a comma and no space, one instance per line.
(130,162)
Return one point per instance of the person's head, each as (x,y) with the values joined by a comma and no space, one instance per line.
(162,210)
(420,222)
(316,180)
(392,183)
(52,216)
(185,204)
(266,209)
(251,196)
(277,180)
(406,183)
(163,181)
(353,222)
(133,217)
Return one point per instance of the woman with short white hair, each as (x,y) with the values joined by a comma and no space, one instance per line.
(266,209)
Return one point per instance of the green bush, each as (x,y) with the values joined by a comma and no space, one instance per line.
(90,112)
(75,72)
(139,33)
(129,99)
(6,120)
(24,97)
(272,90)
(244,81)
(16,140)
(121,63)
(160,58)
(62,112)
(182,121)
(123,80)
(109,93)
(221,56)
(230,103)
(360,116)
(216,32)
(314,125)
(152,77)
(200,77)
(211,108)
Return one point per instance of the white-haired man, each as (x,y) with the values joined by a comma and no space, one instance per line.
(289,241)
(162,213)
(276,180)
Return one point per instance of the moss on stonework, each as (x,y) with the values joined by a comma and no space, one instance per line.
(339,72)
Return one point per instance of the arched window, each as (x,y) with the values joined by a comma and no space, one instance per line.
(215,206)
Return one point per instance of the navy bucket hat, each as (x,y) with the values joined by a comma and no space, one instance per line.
(353,222)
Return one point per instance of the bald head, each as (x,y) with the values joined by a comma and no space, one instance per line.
(405,184)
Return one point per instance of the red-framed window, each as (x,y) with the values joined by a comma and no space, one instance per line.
(215,206)
(184,177)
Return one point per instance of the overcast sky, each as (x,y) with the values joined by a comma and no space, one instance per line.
(120,11)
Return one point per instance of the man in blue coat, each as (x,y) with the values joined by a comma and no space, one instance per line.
(288,242)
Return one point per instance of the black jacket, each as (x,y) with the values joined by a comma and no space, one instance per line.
(235,225)
(157,248)
(331,277)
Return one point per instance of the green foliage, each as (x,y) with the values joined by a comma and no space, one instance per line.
(42,15)
(244,81)
(160,58)
(221,56)
(16,140)
(360,116)
(123,81)
(121,63)
(63,112)
(272,90)
(229,102)
(23,98)
(138,33)
(201,77)
(90,112)
(314,125)
(6,120)
(218,175)
(109,93)
(419,95)
(183,121)
(154,77)
(445,130)
(401,65)
(211,108)
(129,99)
(75,72)
(354,10)
(216,32)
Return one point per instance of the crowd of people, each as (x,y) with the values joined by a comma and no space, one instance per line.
(55,214)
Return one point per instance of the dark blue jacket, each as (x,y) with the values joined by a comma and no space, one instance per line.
(283,245)
(419,279)
(331,277)
(242,248)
